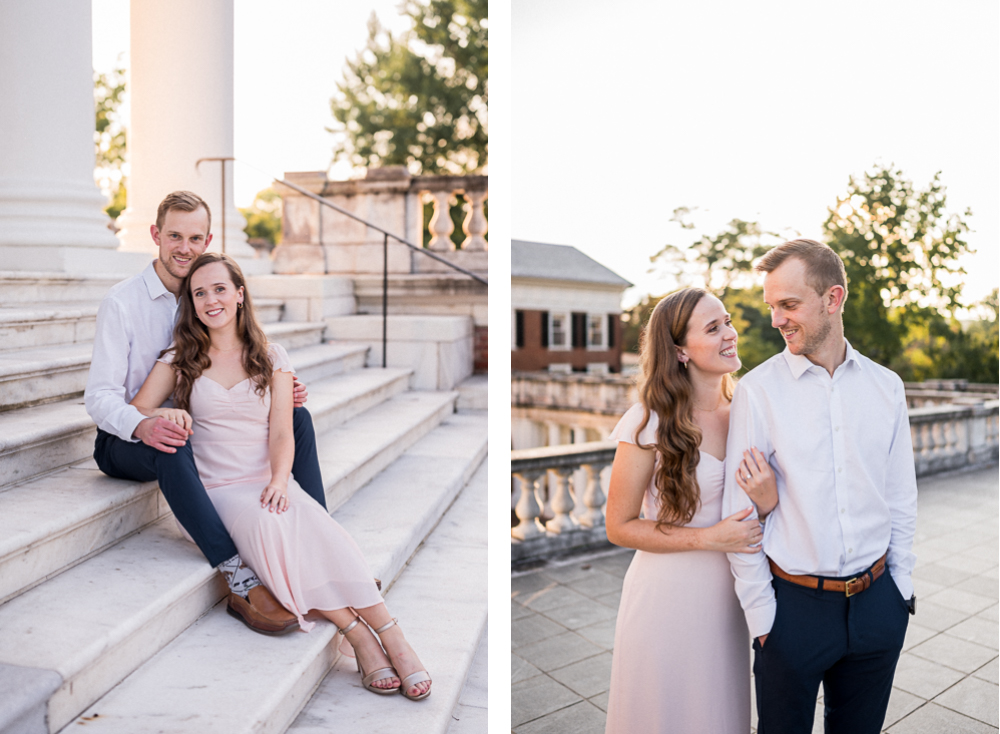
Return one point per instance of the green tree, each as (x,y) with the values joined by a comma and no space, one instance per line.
(900,247)
(264,217)
(944,348)
(419,99)
(110,138)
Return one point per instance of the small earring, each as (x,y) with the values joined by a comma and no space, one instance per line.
(239,305)
(685,364)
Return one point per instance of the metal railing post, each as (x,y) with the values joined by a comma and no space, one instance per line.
(385,291)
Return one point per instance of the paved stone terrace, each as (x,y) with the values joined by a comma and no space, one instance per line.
(563,625)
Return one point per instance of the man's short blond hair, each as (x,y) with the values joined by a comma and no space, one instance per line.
(184,201)
(824,268)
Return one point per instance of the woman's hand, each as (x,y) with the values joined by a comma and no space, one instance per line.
(274,497)
(756,479)
(176,416)
(734,534)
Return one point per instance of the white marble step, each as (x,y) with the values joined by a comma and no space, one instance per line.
(42,325)
(35,375)
(218,676)
(269,310)
(65,517)
(19,288)
(377,438)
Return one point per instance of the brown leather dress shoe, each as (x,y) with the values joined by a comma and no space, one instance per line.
(262,613)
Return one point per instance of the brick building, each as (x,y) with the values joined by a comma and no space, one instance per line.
(565,310)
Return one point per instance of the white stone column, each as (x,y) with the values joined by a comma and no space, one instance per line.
(180,84)
(51,216)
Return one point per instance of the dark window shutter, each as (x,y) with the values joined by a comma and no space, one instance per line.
(611,330)
(579,331)
(519,329)
(545,329)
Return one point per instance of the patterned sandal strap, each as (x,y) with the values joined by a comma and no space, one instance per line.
(386,626)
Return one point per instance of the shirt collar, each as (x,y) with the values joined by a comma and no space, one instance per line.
(798,364)
(154,286)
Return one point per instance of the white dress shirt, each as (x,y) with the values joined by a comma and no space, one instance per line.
(134,323)
(841,452)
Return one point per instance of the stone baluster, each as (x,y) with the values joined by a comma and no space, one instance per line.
(561,500)
(475,224)
(527,509)
(593,497)
(441,225)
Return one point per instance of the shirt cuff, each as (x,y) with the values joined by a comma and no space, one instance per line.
(131,421)
(760,619)
(904,584)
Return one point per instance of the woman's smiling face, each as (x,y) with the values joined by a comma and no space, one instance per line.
(216,298)
(710,342)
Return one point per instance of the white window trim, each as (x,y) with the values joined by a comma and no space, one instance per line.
(567,330)
(513,329)
(603,320)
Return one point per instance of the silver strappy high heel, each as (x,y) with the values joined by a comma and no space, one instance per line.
(373,677)
(413,678)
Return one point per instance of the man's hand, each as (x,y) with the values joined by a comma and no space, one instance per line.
(161,434)
(299,393)
(763,639)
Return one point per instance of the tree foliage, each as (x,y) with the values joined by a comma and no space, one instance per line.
(900,247)
(264,217)
(110,138)
(419,99)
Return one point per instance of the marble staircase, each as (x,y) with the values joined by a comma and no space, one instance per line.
(113,620)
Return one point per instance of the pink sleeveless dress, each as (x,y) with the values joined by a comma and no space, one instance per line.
(681,661)
(303,555)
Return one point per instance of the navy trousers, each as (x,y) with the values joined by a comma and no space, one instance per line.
(182,487)
(849,644)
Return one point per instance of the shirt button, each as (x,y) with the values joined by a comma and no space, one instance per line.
(843,510)
(836,428)
(850,550)
(839,470)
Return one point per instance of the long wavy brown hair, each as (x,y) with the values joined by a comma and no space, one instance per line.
(191,339)
(665,389)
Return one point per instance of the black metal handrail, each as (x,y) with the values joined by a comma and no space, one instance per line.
(385,240)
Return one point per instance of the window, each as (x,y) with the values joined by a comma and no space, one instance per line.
(519,329)
(611,329)
(595,331)
(559,331)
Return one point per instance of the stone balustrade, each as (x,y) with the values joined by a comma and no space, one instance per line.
(554,518)
(318,239)
(543,478)
(947,437)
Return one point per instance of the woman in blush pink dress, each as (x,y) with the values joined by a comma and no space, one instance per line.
(681,659)
(238,389)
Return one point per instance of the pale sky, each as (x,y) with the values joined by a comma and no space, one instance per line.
(760,111)
(289,57)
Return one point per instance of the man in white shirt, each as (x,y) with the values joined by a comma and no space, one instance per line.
(134,323)
(829,599)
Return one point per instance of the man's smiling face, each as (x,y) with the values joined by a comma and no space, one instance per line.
(797,310)
(184,237)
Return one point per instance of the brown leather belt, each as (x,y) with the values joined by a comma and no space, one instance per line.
(850,587)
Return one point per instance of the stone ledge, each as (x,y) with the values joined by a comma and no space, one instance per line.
(26,692)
